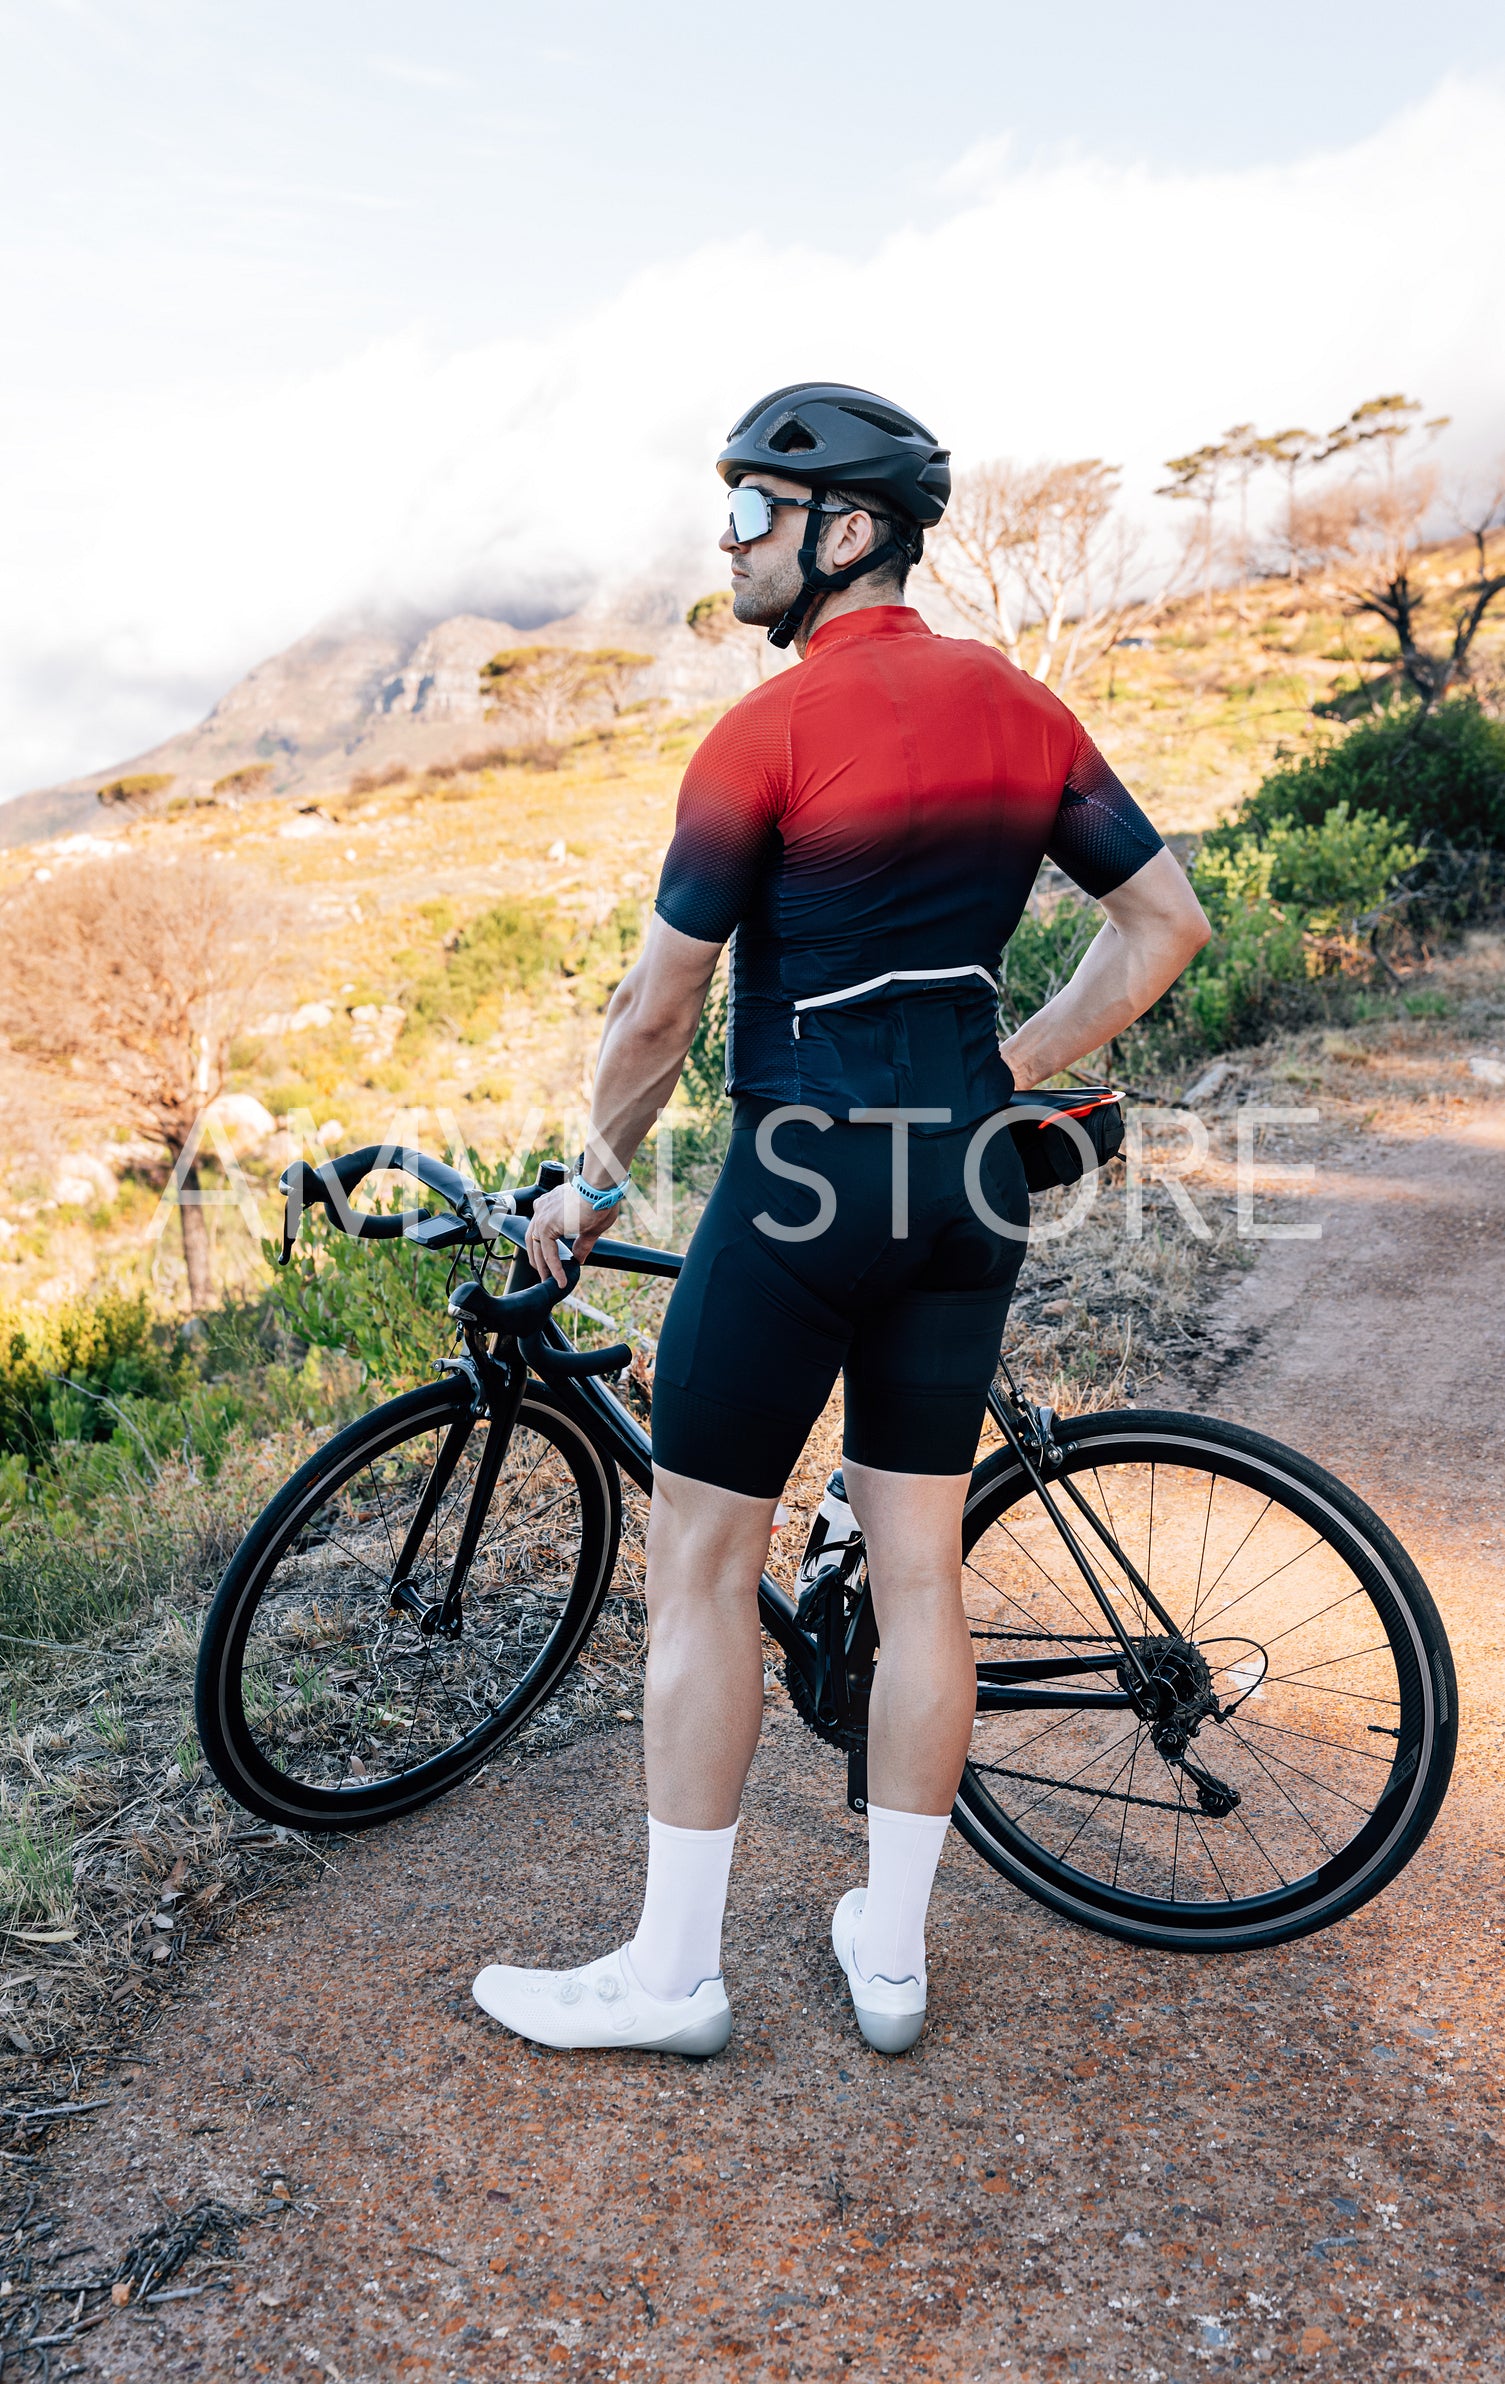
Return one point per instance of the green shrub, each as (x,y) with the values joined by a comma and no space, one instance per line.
(382,1303)
(1254,960)
(1041,954)
(503,950)
(95,1541)
(1337,870)
(507,950)
(61,1379)
(1439,776)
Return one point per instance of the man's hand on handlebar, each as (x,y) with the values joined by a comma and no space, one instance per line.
(563,1216)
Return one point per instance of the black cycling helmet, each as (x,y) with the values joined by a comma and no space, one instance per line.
(832,436)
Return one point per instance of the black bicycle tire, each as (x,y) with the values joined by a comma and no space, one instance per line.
(227,1741)
(1274,1919)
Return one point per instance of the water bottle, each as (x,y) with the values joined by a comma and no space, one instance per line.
(832,1532)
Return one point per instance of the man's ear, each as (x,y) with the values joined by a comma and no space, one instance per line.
(852,536)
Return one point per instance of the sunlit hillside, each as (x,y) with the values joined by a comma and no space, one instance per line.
(441,947)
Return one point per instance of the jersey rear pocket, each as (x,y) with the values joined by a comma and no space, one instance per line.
(912,1048)
(854,1058)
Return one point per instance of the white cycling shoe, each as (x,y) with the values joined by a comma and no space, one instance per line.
(890,2012)
(601,2005)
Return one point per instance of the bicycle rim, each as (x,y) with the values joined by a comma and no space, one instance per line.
(1312,1669)
(323,1706)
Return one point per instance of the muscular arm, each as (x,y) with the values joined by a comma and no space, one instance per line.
(1154,925)
(650,1021)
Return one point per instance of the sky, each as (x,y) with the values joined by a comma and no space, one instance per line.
(316,311)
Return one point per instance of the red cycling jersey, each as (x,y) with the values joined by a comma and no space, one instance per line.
(868,826)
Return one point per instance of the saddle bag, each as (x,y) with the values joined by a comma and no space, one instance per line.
(1062,1136)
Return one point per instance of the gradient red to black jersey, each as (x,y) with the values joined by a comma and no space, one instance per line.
(885,805)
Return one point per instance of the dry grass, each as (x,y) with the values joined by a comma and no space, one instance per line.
(108,1818)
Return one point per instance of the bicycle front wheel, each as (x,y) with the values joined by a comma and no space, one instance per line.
(326,1703)
(1308,1713)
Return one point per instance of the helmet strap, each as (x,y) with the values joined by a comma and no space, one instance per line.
(815,583)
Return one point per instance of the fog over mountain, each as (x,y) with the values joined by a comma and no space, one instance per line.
(163,541)
(364,698)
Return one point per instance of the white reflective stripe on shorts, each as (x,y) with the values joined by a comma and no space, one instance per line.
(850,993)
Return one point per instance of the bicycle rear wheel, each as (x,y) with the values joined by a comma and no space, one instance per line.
(321,1704)
(1310,1673)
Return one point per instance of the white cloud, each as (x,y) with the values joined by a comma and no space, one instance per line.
(417,74)
(160,545)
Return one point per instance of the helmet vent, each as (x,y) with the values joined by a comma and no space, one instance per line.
(791,438)
(891,423)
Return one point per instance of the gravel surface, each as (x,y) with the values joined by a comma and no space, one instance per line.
(1100,2162)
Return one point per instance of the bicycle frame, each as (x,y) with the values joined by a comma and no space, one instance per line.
(623,1437)
(1002,1686)
(834,1657)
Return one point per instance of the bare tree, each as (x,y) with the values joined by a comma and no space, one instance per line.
(1245,452)
(1292,452)
(1385,420)
(1031,557)
(1378,530)
(550,688)
(1197,479)
(249,780)
(970,554)
(1324,529)
(134,793)
(127,980)
(1397,594)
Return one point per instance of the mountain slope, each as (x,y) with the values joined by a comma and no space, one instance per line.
(374,698)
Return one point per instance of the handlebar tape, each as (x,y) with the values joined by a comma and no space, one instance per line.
(330,1186)
(517,1312)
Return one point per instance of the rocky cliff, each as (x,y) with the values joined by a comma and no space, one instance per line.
(372,698)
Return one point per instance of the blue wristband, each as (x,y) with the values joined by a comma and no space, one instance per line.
(599,1196)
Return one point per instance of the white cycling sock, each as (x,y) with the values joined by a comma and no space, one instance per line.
(679,1936)
(902,1852)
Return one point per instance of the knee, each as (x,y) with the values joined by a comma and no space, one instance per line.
(698,1531)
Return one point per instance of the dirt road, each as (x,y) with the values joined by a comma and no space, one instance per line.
(1100,2163)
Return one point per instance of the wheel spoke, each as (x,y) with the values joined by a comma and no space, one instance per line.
(1067,1794)
(1309,1738)
(1299,1810)
(340,1690)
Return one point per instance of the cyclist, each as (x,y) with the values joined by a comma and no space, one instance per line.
(867,828)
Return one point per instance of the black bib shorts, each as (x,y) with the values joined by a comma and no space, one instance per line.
(760,1324)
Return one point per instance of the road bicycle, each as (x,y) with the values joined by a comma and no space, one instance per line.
(1215,1703)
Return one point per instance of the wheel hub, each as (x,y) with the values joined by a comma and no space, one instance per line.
(1176,1698)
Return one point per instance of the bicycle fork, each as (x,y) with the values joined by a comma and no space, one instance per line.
(497,1394)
